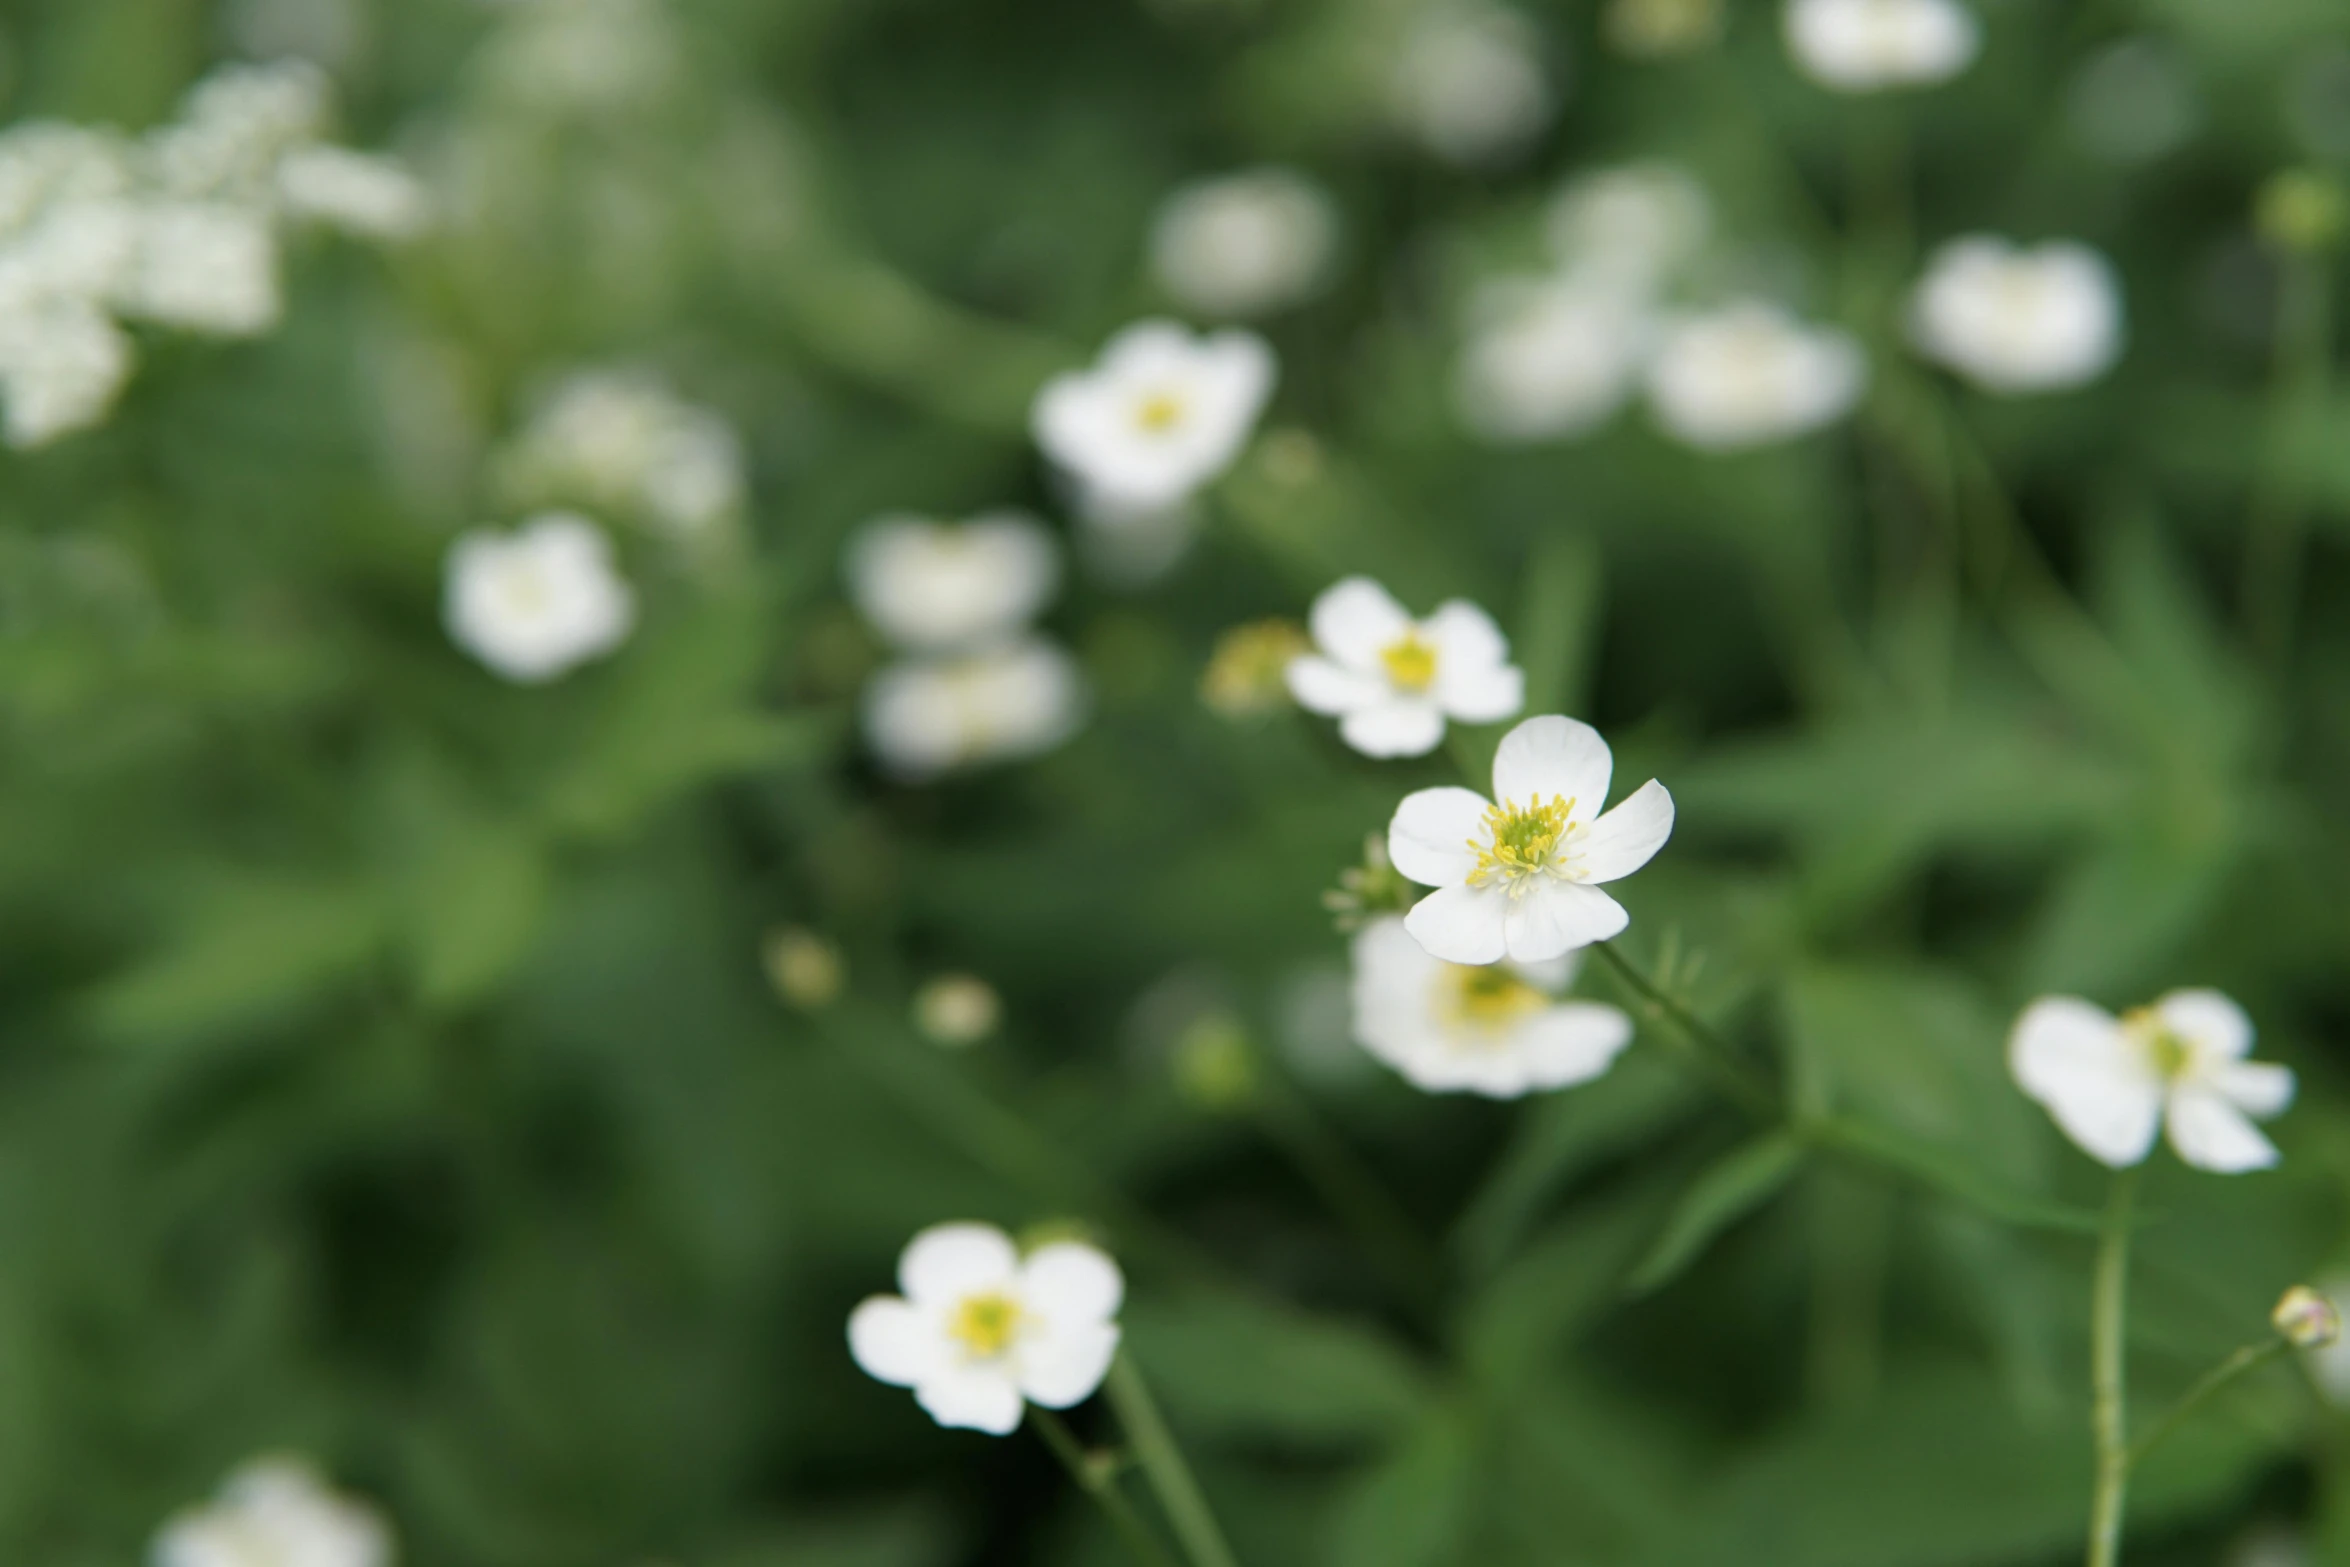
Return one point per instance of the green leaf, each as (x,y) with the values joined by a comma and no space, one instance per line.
(1412,1509)
(473,906)
(1557,629)
(1242,1367)
(1724,1193)
(243,948)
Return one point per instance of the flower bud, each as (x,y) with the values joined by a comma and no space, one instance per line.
(806,970)
(1247,675)
(1658,29)
(957,1010)
(1215,1065)
(2305,1319)
(1368,889)
(2302,211)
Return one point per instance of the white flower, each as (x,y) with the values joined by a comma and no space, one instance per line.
(274,1513)
(621,441)
(1496,1029)
(1750,375)
(43,162)
(2016,319)
(1469,83)
(61,365)
(233,128)
(927,715)
(1518,878)
(2111,1082)
(981,1330)
(1160,414)
(1392,681)
(533,603)
(1632,226)
(1549,359)
(1245,244)
(1869,45)
(203,266)
(357,192)
(957,1010)
(932,587)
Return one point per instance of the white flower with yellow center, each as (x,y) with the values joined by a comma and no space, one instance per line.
(925,716)
(1497,1029)
(274,1512)
(1750,375)
(1161,413)
(533,603)
(1518,876)
(980,1330)
(1244,244)
(1392,681)
(2113,1082)
(2016,319)
(934,587)
(1871,45)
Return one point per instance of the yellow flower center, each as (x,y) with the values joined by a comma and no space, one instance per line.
(1488,999)
(986,1324)
(1522,842)
(2166,1052)
(1159,412)
(1410,662)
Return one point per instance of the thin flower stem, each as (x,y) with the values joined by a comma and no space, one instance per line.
(1357,1196)
(1099,1481)
(2194,1398)
(1162,1463)
(1719,1059)
(2108,1324)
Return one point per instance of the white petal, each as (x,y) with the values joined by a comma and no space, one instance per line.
(1399,726)
(1355,619)
(895,1341)
(1070,1283)
(973,1398)
(1461,924)
(1552,756)
(1429,837)
(1627,837)
(1573,1042)
(1480,694)
(1321,686)
(2211,1134)
(1555,917)
(2073,1059)
(2215,1025)
(949,1261)
(2254,1087)
(1064,1367)
(1463,634)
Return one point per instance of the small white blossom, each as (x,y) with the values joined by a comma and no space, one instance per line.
(1392,681)
(360,193)
(981,1331)
(1633,226)
(619,441)
(274,1513)
(925,716)
(203,266)
(1550,358)
(957,1010)
(44,163)
(534,603)
(1497,1029)
(1750,375)
(1871,45)
(933,587)
(2112,1083)
(1518,876)
(1469,83)
(61,365)
(1246,244)
(1161,413)
(2015,319)
(234,127)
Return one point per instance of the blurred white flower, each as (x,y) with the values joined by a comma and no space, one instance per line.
(234,127)
(1632,226)
(1549,358)
(1519,878)
(360,193)
(1245,244)
(1161,413)
(1392,681)
(43,162)
(957,1010)
(925,716)
(1870,45)
(620,441)
(2019,319)
(934,587)
(274,1513)
(981,1331)
(62,363)
(534,603)
(586,56)
(1496,1029)
(203,266)
(2111,1082)
(1469,83)
(1751,374)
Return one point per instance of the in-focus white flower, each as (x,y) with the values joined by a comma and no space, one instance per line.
(1161,413)
(1870,45)
(1497,1029)
(1518,876)
(2014,319)
(1245,244)
(274,1513)
(925,716)
(62,363)
(981,1331)
(620,441)
(358,192)
(533,603)
(1632,226)
(934,587)
(2111,1082)
(1469,83)
(203,266)
(1392,681)
(1750,375)
(1550,358)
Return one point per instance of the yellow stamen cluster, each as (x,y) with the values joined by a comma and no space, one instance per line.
(986,1324)
(1522,841)
(1159,412)
(2169,1055)
(1410,662)
(1488,999)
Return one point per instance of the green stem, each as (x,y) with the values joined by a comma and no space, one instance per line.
(1716,1056)
(1162,1463)
(1099,1481)
(2217,1377)
(2108,1323)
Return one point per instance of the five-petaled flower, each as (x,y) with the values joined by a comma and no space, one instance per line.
(980,1328)
(1392,681)
(1518,876)
(2112,1082)
(1160,414)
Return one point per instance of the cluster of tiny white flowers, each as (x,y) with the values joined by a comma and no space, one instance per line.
(274,1512)
(1860,46)
(179,228)
(1244,244)
(623,445)
(536,603)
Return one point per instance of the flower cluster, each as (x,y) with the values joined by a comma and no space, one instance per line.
(274,1512)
